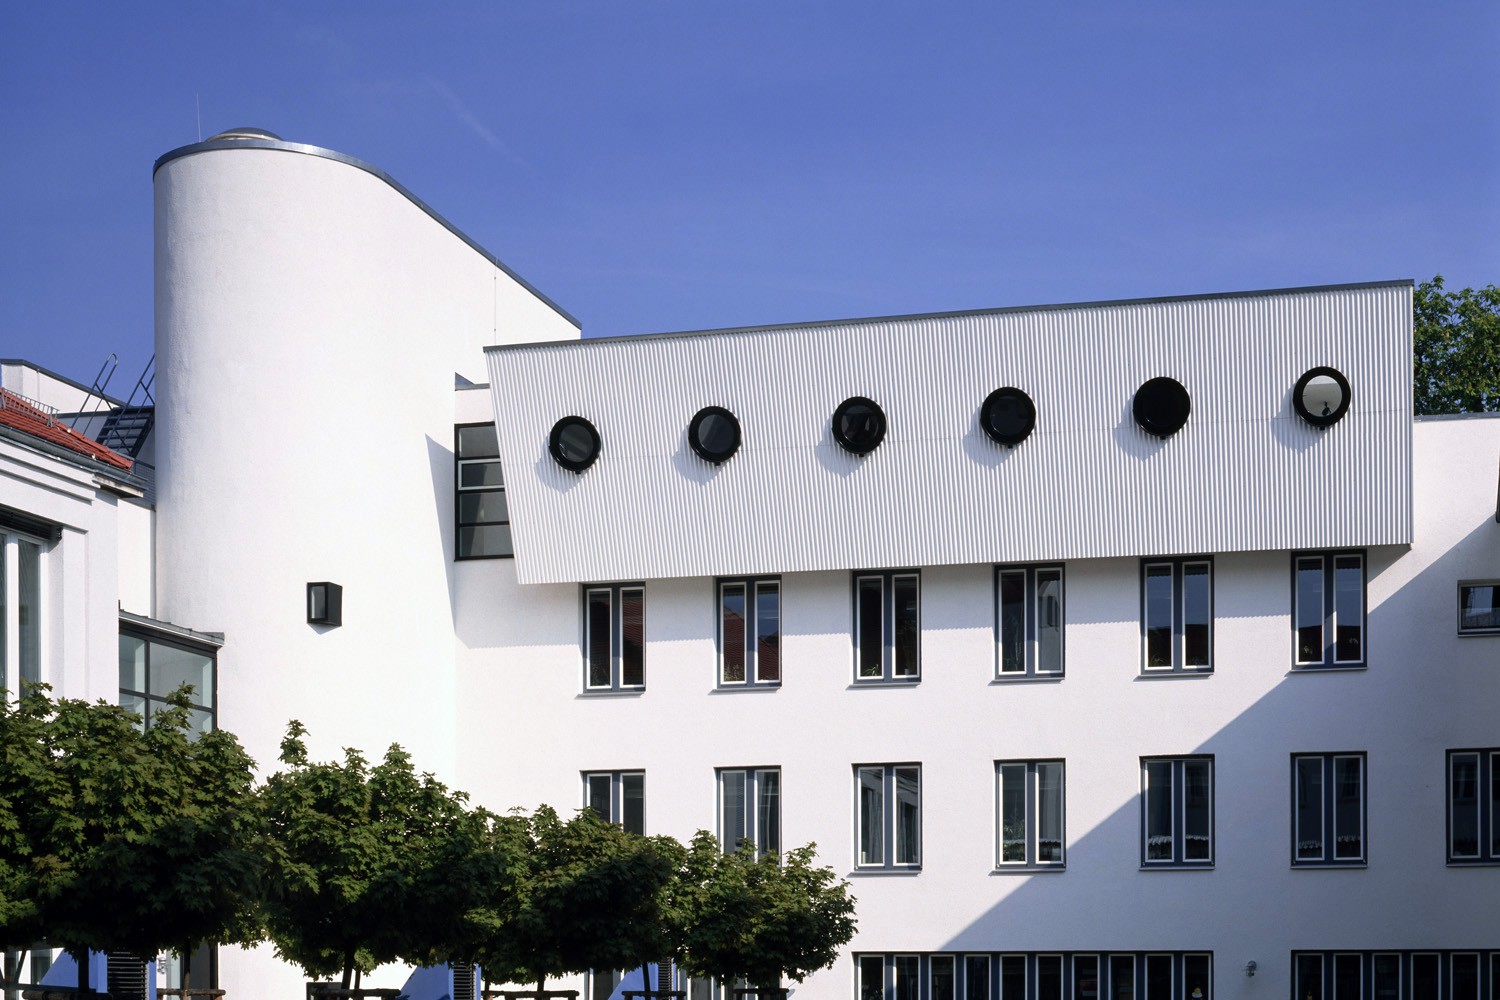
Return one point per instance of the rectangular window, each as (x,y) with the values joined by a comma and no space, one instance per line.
(1328,609)
(1432,975)
(750,809)
(153,666)
(887,626)
(618,797)
(483,519)
(976,977)
(1029,814)
(749,632)
(1479,607)
(1177,615)
(1474,806)
(888,803)
(20,610)
(1177,811)
(942,979)
(614,632)
(1328,809)
(1029,621)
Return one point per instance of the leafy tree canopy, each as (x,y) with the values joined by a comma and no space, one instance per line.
(1457,349)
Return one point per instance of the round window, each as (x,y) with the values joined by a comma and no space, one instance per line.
(1008,415)
(714,434)
(574,443)
(859,425)
(1321,396)
(1161,406)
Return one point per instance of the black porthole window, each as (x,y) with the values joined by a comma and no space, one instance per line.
(1008,416)
(1321,396)
(1162,406)
(714,434)
(859,425)
(574,443)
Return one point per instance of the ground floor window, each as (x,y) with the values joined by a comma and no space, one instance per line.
(1395,975)
(1166,975)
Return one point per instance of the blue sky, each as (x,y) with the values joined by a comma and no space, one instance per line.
(672,165)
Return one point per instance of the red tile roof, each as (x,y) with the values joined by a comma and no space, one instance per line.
(20,413)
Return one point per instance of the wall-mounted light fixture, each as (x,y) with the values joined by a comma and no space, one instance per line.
(325,603)
(1250,969)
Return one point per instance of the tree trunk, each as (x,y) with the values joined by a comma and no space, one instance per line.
(348,967)
(187,966)
(81,958)
(541,981)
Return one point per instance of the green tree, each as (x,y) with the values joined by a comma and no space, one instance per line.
(366,864)
(764,918)
(1457,348)
(28,792)
(583,894)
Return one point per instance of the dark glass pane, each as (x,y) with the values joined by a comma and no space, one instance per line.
(1309,973)
(1013,977)
(1197,810)
(478,442)
(1049,977)
(1159,977)
(1463,794)
(1348,807)
(908,984)
(1196,980)
(28,610)
(1158,616)
(717,434)
(942,978)
(1309,777)
(871,977)
(871,635)
(1159,810)
(908,816)
(1049,824)
(1426,977)
(172,667)
(871,815)
(1013,813)
(475,475)
(767,632)
(632,638)
(599,798)
(633,803)
(1309,622)
(1479,606)
(485,540)
(977,977)
(1013,622)
(1346,978)
(1049,624)
(768,812)
(1465,977)
(1348,609)
(598,638)
(1495,820)
(1387,979)
(132,660)
(732,631)
(907,635)
(486,506)
(576,443)
(1195,614)
(1085,977)
(732,803)
(1122,977)
(602,985)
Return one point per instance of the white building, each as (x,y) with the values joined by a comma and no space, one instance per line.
(1173,669)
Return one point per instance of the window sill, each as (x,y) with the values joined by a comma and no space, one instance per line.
(1179,866)
(1026,678)
(1029,870)
(1165,674)
(904,682)
(885,872)
(1477,634)
(481,558)
(1328,865)
(744,688)
(1330,668)
(610,692)
(1474,863)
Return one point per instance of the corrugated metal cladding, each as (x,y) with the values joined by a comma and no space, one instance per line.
(1245,473)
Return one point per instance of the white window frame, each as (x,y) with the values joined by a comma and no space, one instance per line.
(1031,615)
(10,626)
(752,588)
(1464,585)
(1032,820)
(754,781)
(1328,571)
(616,592)
(616,794)
(888,818)
(1328,817)
(1178,792)
(1486,807)
(888,672)
(1177,571)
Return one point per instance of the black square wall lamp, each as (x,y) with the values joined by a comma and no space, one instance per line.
(325,604)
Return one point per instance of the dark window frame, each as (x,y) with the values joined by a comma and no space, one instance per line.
(752,589)
(1032,816)
(888,819)
(460,462)
(617,640)
(1391,974)
(1178,666)
(888,579)
(1329,624)
(151,637)
(1486,803)
(1178,859)
(1044,975)
(616,812)
(754,779)
(1031,640)
(1482,630)
(1327,822)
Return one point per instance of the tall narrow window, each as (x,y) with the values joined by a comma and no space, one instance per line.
(942,979)
(889,804)
(1177,615)
(976,977)
(1328,809)
(1177,811)
(750,809)
(1029,621)
(887,626)
(614,629)
(1029,824)
(20,611)
(1328,609)
(1474,807)
(749,632)
(483,519)
(618,797)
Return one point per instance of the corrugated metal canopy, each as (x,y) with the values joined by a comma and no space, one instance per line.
(1245,473)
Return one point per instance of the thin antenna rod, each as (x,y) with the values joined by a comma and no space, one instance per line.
(197,104)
